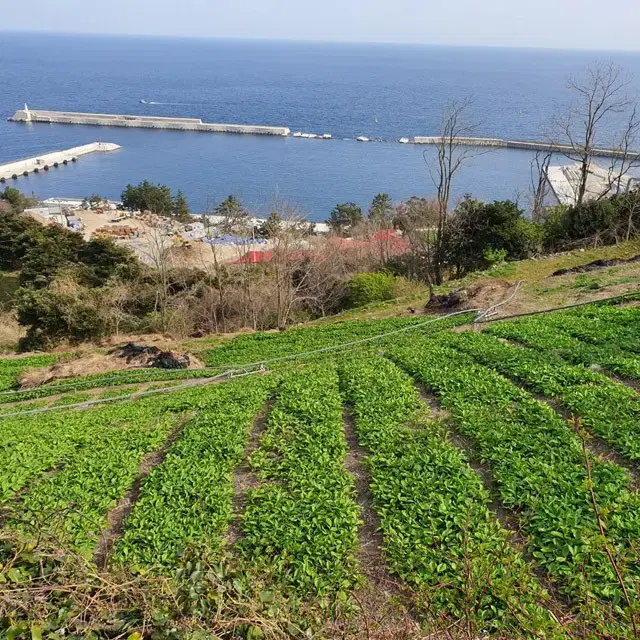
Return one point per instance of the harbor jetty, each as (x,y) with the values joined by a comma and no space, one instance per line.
(13,170)
(142,122)
(530,145)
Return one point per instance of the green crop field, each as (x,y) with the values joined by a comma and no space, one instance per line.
(480,482)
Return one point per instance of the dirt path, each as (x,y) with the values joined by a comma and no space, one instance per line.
(244,478)
(381,614)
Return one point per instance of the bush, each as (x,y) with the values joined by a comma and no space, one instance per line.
(66,312)
(595,222)
(480,234)
(364,288)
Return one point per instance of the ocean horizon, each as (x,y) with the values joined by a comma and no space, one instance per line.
(348,90)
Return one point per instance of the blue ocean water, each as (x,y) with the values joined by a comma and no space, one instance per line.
(348,90)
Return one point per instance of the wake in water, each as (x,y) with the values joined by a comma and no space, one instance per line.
(179,104)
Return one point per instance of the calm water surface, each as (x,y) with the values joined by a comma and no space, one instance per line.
(385,91)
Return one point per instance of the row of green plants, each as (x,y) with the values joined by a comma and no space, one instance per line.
(621,328)
(11,368)
(542,472)
(74,502)
(300,526)
(439,535)
(607,408)
(264,346)
(546,338)
(31,445)
(185,502)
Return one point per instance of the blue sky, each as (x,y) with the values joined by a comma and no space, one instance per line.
(584,24)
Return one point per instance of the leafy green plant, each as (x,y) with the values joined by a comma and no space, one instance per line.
(186,501)
(537,463)
(608,408)
(439,535)
(301,525)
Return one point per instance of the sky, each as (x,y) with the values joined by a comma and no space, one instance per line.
(578,24)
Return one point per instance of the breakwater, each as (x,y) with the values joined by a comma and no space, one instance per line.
(143,122)
(530,145)
(13,170)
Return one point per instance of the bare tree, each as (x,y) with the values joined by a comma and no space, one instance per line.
(117,298)
(157,254)
(216,272)
(539,183)
(453,152)
(453,148)
(625,156)
(600,102)
(290,256)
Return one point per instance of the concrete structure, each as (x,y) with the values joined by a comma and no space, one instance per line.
(530,145)
(564,182)
(76,203)
(49,161)
(143,122)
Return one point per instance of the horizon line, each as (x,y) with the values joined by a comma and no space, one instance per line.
(293,40)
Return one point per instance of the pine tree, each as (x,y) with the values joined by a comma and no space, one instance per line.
(345,216)
(181,208)
(381,210)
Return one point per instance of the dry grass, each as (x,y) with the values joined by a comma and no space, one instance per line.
(10,332)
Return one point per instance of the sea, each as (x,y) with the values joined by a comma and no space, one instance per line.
(381,91)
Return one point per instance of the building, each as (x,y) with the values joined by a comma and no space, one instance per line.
(564,181)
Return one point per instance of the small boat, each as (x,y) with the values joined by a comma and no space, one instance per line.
(297,134)
(404,141)
(308,135)
(143,102)
(326,136)
(363,139)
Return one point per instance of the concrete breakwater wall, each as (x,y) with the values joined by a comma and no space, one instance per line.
(144,122)
(14,170)
(530,145)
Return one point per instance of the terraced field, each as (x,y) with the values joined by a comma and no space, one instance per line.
(424,484)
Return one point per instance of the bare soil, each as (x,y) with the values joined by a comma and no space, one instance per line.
(244,479)
(381,614)
(87,363)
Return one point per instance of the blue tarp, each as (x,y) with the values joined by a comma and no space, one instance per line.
(231,239)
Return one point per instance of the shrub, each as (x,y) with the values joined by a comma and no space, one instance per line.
(364,288)
(480,234)
(595,222)
(57,313)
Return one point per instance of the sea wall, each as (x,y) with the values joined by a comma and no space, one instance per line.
(530,145)
(47,161)
(144,122)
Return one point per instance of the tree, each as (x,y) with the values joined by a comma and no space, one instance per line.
(417,218)
(180,209)
(539,183)
(381,210)
(600,103)
(148,197)
(54,250)
(159,256)
(64,310)
(480,233)
(271,226)
(16,199)
(235,218)
(344,217)
(18,234)
(452,154)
